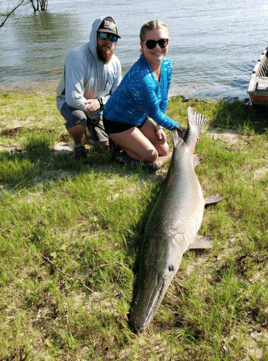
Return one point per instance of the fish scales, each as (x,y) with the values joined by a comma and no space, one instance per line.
(171,228)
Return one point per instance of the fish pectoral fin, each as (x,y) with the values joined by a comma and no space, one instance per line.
(213,198)
(197,159)
(201,242)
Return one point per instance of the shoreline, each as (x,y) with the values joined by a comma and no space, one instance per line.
(49,87)
(46,86)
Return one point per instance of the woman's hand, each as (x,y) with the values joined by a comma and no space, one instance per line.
(160,134)
(182,131)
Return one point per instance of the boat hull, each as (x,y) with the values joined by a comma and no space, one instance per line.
(258,85)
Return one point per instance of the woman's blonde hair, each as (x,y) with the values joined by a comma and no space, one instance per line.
(152,25)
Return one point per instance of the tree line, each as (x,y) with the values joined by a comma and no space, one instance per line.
(37,6)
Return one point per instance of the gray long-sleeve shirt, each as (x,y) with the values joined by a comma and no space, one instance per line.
(86,77)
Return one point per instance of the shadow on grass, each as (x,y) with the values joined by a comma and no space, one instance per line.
(136,242)
(242,117)
(22,168)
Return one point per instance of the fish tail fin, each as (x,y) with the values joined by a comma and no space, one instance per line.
(196,121)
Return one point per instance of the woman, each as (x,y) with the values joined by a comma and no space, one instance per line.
(142,95)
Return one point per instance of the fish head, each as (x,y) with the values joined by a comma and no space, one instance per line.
(157,269)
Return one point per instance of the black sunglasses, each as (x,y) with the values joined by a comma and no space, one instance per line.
(104,36)
(152,43)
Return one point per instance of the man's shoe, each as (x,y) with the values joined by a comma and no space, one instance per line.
(80,152)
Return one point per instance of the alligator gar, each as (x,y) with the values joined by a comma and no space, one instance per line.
(172,227)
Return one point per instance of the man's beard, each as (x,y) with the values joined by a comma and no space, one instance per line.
(106,56)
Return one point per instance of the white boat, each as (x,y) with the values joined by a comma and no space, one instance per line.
(258,85)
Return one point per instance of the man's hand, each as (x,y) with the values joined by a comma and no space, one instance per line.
(92,105)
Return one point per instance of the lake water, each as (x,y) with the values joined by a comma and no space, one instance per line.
(214,45)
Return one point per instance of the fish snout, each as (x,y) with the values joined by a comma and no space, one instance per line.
(135,327)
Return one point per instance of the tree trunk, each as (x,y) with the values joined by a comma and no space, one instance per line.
(41,5)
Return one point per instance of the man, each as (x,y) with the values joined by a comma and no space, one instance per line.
(91,73)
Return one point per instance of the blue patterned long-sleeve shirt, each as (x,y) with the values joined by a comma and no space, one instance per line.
(140,95)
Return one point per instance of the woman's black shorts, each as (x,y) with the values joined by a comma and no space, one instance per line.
(112,126)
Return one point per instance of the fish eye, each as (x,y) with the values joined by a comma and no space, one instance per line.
(171,268)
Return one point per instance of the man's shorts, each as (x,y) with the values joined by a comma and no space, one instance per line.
(75,117)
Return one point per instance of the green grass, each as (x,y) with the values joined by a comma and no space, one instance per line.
(71,232)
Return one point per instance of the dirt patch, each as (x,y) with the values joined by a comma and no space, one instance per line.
(64,148)
(11,132)
(227,136)
(260,173)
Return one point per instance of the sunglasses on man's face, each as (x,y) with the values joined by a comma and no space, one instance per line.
(104,36)
(152,43)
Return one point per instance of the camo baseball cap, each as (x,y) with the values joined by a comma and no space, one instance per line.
(108,26)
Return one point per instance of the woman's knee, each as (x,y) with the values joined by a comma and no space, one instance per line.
(151,156)
(136,145)
(163,149)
